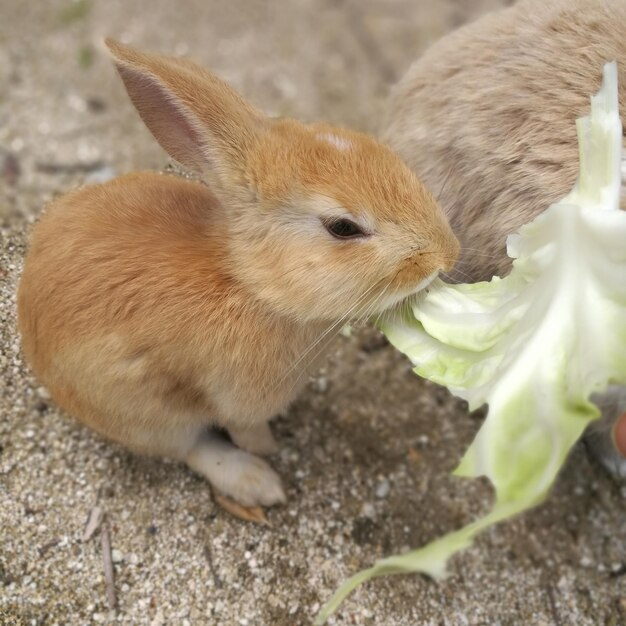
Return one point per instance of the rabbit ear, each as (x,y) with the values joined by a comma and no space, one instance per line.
(197,118)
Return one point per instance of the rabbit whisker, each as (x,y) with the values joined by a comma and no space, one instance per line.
(345,319)
(329,330)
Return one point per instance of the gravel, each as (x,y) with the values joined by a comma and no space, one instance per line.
(366,451)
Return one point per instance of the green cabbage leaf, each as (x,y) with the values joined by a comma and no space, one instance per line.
(533,346)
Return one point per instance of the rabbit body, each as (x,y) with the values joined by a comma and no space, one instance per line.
(486,118)
(135,272)
(153,307)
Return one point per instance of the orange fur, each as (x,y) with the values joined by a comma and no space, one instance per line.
(152,307)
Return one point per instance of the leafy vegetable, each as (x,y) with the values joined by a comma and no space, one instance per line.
(534,346)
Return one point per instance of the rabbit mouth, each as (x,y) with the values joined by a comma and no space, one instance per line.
(395,298)
(424,283)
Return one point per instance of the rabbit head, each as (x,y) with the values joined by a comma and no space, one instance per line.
(319,222)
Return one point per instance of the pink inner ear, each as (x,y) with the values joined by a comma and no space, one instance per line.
(167,118)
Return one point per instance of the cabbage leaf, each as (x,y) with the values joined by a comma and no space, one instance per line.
(533,346)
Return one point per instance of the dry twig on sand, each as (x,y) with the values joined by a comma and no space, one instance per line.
(107,559)
(93,523)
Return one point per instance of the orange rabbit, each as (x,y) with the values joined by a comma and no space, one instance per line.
(154,308)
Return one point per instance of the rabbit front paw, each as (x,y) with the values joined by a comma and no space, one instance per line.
(241,476)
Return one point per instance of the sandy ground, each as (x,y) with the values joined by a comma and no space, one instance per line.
(366,450)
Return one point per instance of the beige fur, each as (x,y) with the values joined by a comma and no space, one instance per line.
(153,307)
(486,116)
(486,119)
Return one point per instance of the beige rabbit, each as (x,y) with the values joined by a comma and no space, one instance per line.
(153,308)
(486,119)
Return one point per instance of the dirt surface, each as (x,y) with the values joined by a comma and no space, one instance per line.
(366,450)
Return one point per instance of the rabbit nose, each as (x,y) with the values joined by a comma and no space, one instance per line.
(448,259)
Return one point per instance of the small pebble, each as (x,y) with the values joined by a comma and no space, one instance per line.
(383,488)
(368,510)
(273,601)
(322,384)
(44,394)
(346,331)
(117,556)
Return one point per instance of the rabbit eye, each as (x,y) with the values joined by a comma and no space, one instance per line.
(344,229)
